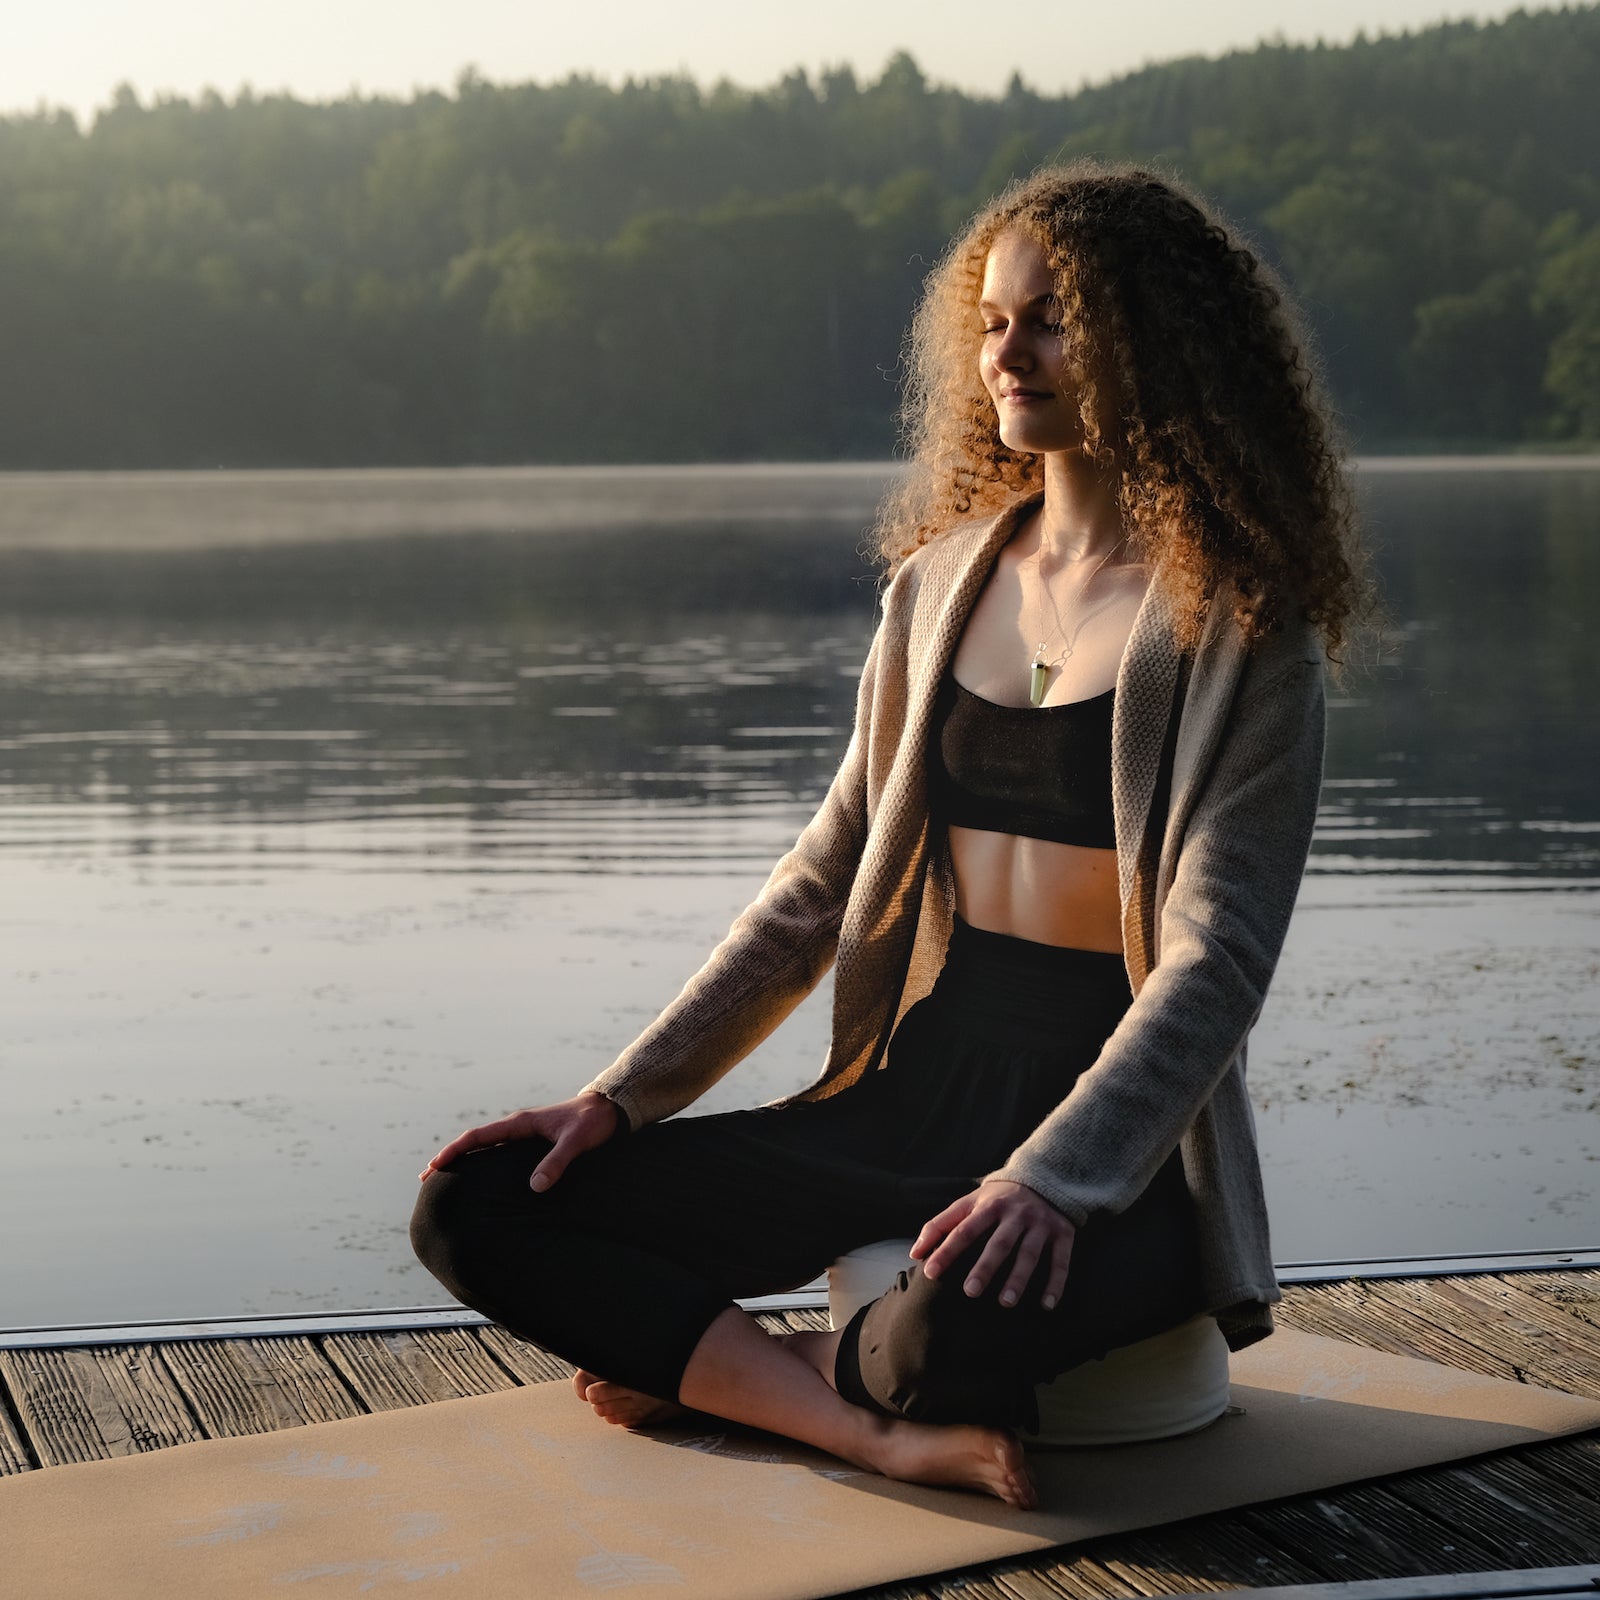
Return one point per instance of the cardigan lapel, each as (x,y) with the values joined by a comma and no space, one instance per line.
(1146,680)
(1218,662)
(933,641)
(954,569)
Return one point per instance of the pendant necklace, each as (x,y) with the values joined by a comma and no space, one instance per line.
(1039,669)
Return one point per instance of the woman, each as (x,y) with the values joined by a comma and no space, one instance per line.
(1053,873)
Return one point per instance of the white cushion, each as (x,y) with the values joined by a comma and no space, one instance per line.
(1171,1384)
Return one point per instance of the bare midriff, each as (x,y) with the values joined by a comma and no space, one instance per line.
(1060,894)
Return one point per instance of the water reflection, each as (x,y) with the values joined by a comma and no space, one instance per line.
(1468,744)
(518,677)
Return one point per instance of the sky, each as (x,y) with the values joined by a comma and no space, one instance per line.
(74,53)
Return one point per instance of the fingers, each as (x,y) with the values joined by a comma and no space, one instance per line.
(957,1241)
(1006,1237)
(959,1237)
(519,1125)
(472,1139)
(1024,1259)
(1060,1261)
(937,1228)
(1017,1230)
(556,1162)
(574,1126)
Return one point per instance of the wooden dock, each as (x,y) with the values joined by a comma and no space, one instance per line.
(1534,1507)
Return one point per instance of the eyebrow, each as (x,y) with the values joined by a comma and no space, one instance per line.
(1037,300)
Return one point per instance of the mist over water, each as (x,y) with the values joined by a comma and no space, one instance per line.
(341,810)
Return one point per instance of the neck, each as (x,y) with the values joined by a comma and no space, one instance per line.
(1078,520)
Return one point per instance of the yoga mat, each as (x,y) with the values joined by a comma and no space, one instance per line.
(525,1493)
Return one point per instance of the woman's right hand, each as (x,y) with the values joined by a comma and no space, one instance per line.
(572,1126)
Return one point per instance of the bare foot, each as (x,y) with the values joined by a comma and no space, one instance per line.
(817,1348)
(954,1456)
(614,1402)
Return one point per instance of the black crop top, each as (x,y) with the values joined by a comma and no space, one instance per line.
(1041,772)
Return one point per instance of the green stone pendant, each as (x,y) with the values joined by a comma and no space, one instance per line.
(1038,682)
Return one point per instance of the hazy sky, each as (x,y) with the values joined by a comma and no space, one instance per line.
(74,52)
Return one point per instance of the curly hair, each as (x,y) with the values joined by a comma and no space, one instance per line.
(1202,403)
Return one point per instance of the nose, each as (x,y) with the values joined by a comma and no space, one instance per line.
(1012,353)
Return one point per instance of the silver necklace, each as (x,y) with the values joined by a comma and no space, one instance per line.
(1039,668)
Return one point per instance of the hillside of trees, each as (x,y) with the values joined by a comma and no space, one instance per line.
(666,271)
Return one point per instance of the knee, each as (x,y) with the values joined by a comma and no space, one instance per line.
(458,1209)
(930,1353)
(439,1221)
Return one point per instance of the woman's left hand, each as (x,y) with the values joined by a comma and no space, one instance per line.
(1021,1227)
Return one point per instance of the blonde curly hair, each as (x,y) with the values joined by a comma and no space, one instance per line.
(1202,404)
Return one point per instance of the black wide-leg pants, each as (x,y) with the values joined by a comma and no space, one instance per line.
(623,1264)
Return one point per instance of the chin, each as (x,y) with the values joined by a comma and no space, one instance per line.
(1040,441)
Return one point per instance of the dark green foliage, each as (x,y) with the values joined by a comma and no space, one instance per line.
(665,271)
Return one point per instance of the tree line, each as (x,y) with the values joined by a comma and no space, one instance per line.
(669,271)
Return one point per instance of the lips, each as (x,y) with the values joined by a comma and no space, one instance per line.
(1023,396)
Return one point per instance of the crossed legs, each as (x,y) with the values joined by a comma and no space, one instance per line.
(629,1265)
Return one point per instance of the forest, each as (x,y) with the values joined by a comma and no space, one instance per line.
(663,270)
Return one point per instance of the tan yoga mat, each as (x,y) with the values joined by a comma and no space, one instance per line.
(524,1493)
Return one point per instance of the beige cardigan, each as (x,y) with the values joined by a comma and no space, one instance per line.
(1207,884)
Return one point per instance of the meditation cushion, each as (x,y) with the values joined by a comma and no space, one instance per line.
(1174,1383)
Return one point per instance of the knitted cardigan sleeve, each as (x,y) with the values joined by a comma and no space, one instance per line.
(773,956)
(1220,931)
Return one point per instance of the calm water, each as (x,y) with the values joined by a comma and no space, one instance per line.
(342,810)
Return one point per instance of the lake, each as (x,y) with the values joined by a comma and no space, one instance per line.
(339,811)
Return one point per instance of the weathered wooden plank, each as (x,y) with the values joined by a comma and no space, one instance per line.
(1572,1467)
(1077,1577)
(1401,1522)
(14,1456)
(1348,1535)
(526,1361)
(1501,1295)
(1018,1582)
(1516,1528)
(1352,1318)
(1561,1479)
(89,1404)
(803,1320)
(971,1584)
(1577,1293)
(1394,1310)
(968,1584)
(1505,1296)
(390,1370)
(239,1386)
(1221,1552)
(1080,1575)
(1407,1325)
(1533,1353)
(1070,1575)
